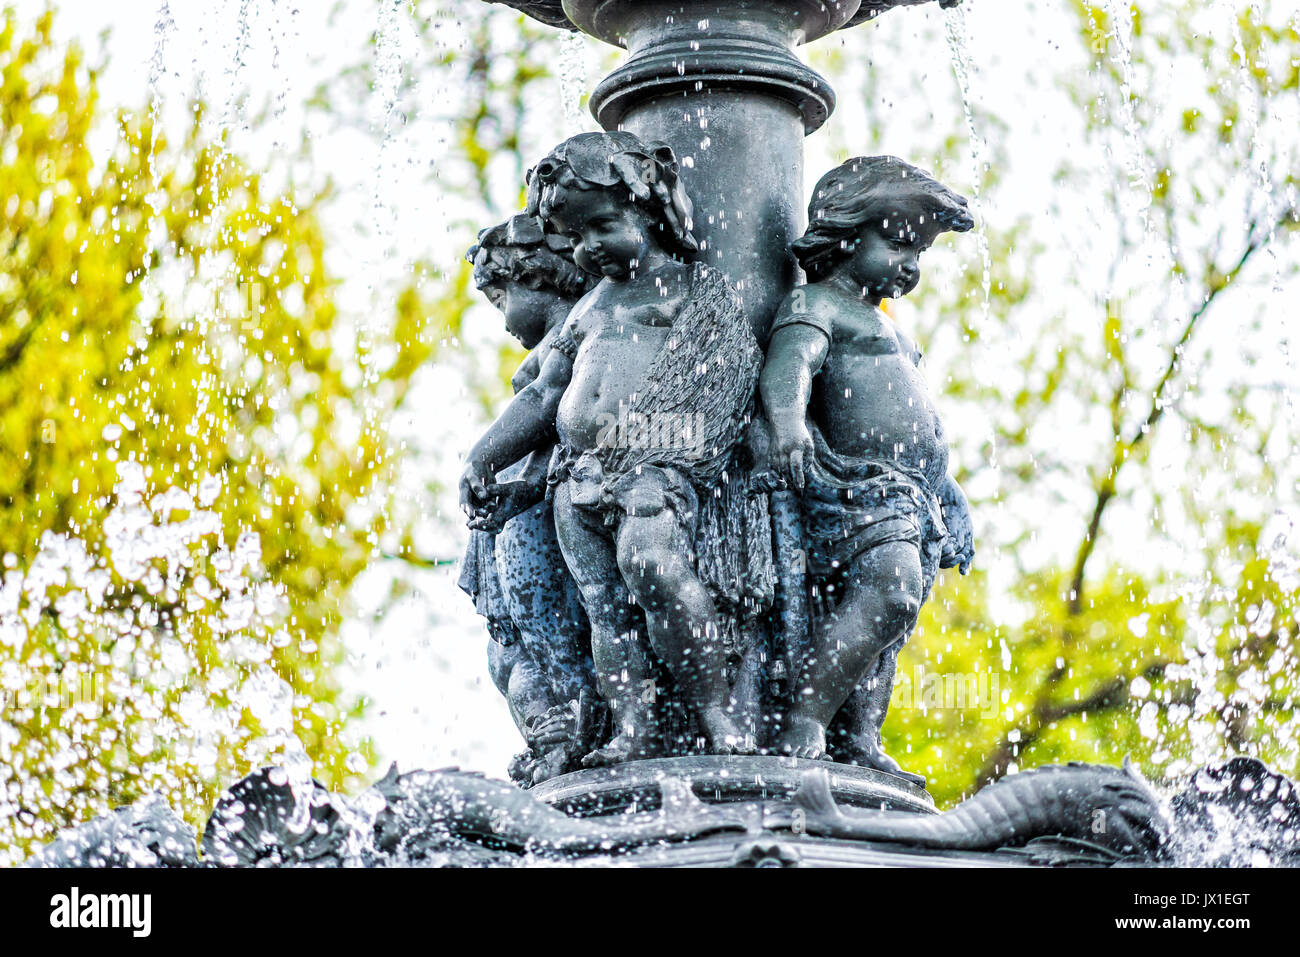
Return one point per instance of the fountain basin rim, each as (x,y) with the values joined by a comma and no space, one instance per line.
(724,779)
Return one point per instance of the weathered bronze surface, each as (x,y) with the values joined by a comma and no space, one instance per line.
(706,523)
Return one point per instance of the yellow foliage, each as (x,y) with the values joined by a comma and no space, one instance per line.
(167,323)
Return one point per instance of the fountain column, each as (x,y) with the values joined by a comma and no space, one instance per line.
(719,82)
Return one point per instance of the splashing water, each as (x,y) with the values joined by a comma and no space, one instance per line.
(153,691)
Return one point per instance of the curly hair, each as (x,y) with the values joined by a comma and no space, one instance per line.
(899,199)
(518,250)
(618,160)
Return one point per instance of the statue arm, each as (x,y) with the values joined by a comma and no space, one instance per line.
(910,347)
(794,356)
(526,425)
(527,372)
(531,367)
(959,548)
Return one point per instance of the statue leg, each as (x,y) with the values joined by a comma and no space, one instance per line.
(545,607)
(856,730)
(544,602)
(623,670)
(882,596)
(527,694)
(520,681)
(681,620)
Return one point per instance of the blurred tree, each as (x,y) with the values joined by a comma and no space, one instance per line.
(186,485)
(1116,384)
(1126,349)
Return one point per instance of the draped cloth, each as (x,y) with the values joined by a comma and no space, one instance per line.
(853,504)
(479,580)
(706,373)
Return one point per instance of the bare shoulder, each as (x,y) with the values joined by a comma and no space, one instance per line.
(907,345)
(822,298)
(810,306)
(584,311)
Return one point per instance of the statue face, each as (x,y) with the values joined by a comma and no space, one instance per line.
(525,310)
(885,266)
(610,235)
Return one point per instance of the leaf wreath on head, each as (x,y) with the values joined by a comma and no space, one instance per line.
(520,250)
(606,160)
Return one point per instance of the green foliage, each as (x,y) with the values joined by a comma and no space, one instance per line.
(1163,627)
(187,481)
(1127,597)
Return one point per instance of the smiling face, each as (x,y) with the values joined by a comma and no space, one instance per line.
(885,265)
(611,237)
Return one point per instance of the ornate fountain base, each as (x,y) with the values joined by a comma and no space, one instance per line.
(711,812)
(724,780)
(759,792)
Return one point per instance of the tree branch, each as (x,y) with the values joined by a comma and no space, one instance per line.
(1257,240)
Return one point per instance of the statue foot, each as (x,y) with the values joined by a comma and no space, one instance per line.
(725,736)
(742,745)
(876,759)
(802,738)
(521,767)
(552,764)
(558,738)
(620,749)
(809,752)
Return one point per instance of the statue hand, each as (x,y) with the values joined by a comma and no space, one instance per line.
(504,501)
(959,548)
(474,483)
(792,451)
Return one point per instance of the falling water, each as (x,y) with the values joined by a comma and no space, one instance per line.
(156,236)
(1136,200)
(387,87)
(279,38)
(216,279)
(163,29)
(991,353)
(573,80)
(1120,16)
(956,32)
(388,73)
(1276,199)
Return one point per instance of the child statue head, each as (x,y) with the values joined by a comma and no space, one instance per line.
(523,271)
(617,199)
(869,220)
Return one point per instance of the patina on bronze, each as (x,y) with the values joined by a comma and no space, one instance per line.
(706,523)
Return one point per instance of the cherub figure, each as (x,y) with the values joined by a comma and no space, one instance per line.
(657,342)
(854,429)
(539,656)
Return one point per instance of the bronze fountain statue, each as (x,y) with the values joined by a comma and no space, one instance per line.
(706,523)
(752,540)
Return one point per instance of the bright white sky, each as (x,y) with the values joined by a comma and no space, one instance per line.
(433,703)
